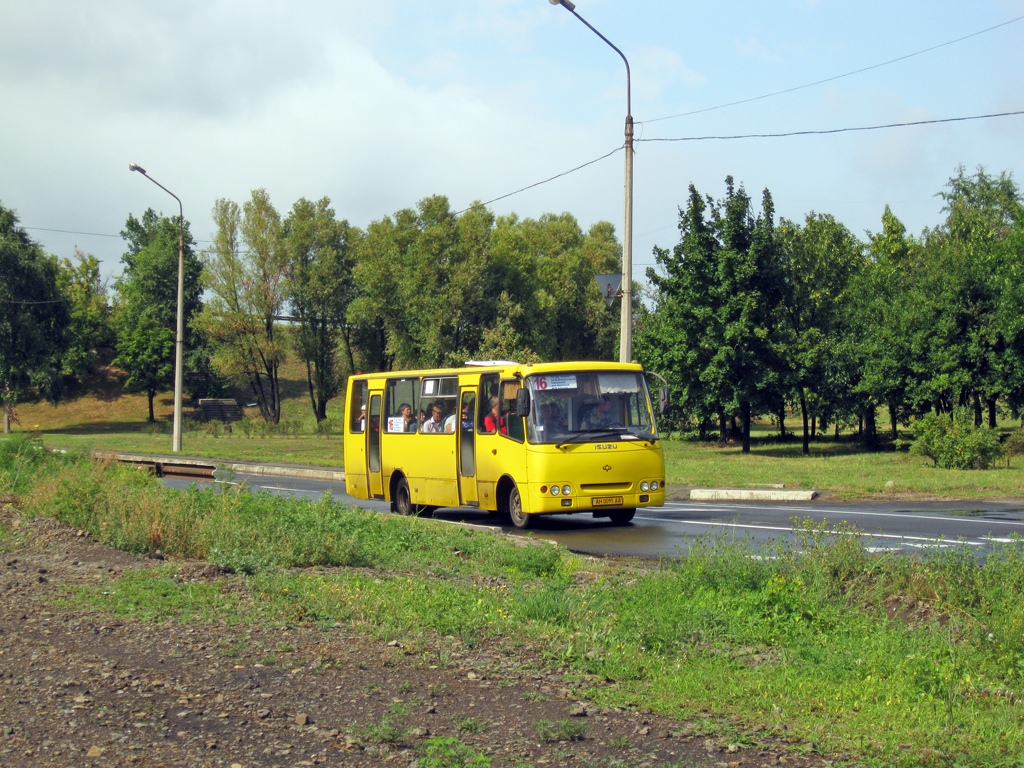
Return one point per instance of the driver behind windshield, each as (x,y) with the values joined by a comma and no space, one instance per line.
(600,415)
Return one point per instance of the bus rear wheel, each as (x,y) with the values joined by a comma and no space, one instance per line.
(622,516)
(515,510)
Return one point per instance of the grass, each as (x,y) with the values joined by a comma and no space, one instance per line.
(890,660)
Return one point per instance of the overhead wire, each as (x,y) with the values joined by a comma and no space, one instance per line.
(828,131)
(835,77)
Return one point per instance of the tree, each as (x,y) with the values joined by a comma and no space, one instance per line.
(717,326)
(320,252)
(679,336)
(34,319)
(885,324)
(821,259)
(962,344)
(91,315)
(146,306)
(246,272)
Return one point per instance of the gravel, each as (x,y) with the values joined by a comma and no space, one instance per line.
(81,688)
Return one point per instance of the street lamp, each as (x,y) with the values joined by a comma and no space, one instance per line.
(626,322)
(179,344)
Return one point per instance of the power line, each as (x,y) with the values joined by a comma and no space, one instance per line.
(539,183)
(833,78)
(838,130)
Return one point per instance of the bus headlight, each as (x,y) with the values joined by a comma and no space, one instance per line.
(554,490)
(654,485)
(566,490)
(645,486)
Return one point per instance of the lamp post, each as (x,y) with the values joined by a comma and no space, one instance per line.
(179,344)
(626,322)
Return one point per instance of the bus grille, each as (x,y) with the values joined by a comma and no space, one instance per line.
(606,487)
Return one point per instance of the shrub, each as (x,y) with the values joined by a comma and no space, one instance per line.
(953,442)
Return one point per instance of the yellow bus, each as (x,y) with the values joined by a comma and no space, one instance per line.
(519,440)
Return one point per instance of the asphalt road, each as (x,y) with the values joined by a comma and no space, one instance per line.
(671,530)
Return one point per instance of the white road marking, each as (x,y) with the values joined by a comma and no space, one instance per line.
(817,510)
(784,529)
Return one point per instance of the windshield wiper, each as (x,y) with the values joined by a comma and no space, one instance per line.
(621,432)
(576,437)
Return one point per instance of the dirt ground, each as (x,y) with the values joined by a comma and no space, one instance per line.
(79,688)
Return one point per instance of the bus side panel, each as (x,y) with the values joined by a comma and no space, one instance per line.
(497,456)
(428,463)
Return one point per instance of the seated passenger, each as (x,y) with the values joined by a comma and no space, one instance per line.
(434,423)
(450,421)
(494,421)
(408,422)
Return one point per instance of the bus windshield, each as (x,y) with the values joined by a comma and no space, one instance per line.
(586,406)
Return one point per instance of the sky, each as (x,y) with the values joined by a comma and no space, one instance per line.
(378,105)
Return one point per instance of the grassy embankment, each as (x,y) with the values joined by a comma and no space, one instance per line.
(102,416)
(889,661)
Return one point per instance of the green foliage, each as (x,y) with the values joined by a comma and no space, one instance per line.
(953,442)
(449,752)
(91,327)
(34,317)
(245,274)
(321,254)
(21,457)
(563,730)
(145,309)
(716,327)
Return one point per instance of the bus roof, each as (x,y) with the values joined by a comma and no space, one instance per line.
(509,368)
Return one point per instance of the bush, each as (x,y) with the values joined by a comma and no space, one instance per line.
(953,442)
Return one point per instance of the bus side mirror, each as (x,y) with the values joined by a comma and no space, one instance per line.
(523,402)
(663,402)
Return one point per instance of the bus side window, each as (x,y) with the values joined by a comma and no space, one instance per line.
(357,408)
(488,390)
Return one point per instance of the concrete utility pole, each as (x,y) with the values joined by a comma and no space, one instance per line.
(179,344)
(626,321)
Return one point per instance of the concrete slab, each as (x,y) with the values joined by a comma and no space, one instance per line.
(750,494)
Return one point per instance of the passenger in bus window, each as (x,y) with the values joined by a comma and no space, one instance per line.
(450,421)
(550,418)
(494,421)
(434,424)
(467,418)
(408,422)
(362,418)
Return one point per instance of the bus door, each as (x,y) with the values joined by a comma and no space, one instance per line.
(467,450)
(376,490)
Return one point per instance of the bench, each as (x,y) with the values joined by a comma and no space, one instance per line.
(220,409)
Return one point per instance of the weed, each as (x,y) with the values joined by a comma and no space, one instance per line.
(470,724)
(390,729)
(449,752)
(563,730)
(620,742)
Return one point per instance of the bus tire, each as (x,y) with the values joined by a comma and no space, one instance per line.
(515,509)
(622,516)
(401,501)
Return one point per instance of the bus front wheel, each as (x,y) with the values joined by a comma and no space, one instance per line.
(515,510)
(622,516)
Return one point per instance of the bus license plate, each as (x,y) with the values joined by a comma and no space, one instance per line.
(606,501)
